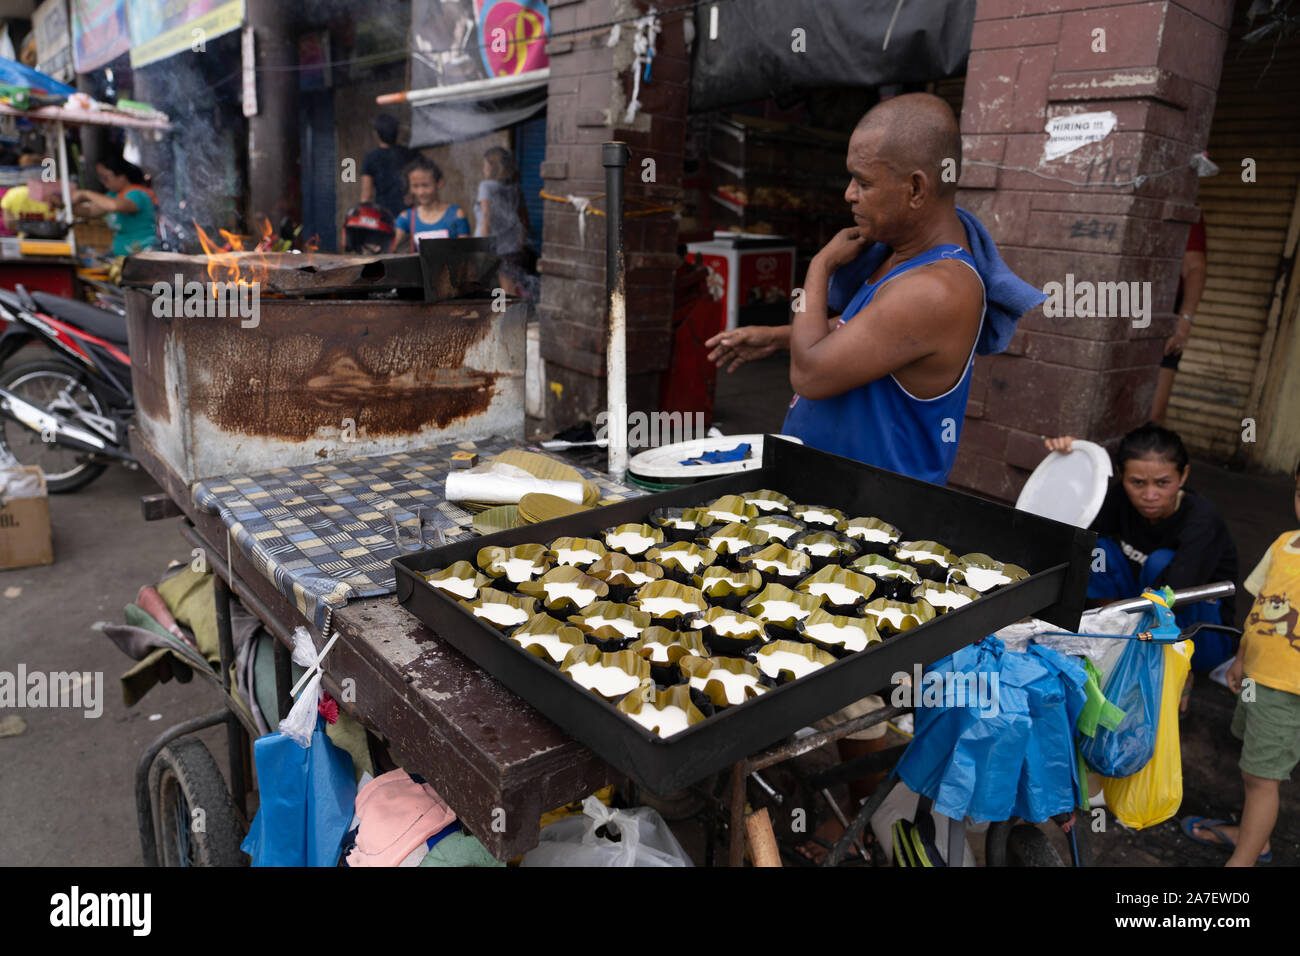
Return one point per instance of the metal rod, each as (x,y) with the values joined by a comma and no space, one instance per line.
(236,741)
(1201,592)
(64,187)
(614,157)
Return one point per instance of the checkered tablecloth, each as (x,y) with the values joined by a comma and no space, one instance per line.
(322,533)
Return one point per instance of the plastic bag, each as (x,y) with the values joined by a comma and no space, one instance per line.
(300,722)
(307,801)
(1154,793)
(968,760)
(1134,687)
(644,840)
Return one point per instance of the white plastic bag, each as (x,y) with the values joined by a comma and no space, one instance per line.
(301,719)
(644,840)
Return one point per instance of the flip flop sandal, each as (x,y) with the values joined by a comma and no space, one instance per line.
(1189,825)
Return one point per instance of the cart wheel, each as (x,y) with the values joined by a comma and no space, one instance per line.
(185,779)
(1029,846)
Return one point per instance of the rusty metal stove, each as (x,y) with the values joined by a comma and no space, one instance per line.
(326,372)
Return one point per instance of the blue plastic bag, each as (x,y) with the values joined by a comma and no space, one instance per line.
(969,759)
(1134,687)
(308,795)
(1049,778)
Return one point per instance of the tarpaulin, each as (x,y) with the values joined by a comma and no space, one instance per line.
(463,41)
(759,50)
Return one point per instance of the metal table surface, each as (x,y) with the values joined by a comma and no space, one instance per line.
(498,763)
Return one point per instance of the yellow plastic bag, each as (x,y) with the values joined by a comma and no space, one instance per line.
(1154,793)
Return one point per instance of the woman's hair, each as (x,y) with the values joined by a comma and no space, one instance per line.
(422,162)
(120,167)
(502,164)
(1152,439)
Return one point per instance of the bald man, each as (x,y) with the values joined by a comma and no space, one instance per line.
(885,382)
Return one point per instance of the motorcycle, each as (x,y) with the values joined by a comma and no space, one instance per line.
(69,413)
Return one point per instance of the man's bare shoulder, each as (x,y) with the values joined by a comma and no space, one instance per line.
(934,295)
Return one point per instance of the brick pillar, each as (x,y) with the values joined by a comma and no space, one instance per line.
(590,87)
(1032,60)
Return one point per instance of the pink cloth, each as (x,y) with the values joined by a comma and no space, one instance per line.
(395,816)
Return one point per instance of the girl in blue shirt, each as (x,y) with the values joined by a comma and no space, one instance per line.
(428,218)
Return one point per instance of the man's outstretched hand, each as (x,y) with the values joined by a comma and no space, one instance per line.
(734,347)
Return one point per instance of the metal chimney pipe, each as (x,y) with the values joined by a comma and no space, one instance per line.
(614,157)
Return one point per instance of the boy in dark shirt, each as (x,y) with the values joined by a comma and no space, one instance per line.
(381,169)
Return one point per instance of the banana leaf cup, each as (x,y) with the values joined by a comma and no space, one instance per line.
(730,633)
(663,712)
(510,567)
(944,597)
(624,575)
(577,552)
(840,590)
(501,609)
(893,579)
(682,560)
(875,535)
(548,638)
(730,508)
(610,626)
(725,681)
(680,524)
(826,548)
(781,609)
(729,541)
(820,517)
(932,559)
(664,649)
(610,675)
(778,526)
(895,617)
(461,580)
(777,563)
(723,587)
(565,589)
(786,661)
(670,604)
(838,634)
(984,574)
(768,501)
(634,540)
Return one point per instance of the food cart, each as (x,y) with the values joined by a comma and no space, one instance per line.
(50,265)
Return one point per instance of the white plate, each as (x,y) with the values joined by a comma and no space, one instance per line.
(1069,488)
(666,460)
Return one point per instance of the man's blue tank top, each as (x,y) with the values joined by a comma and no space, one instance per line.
(882,424)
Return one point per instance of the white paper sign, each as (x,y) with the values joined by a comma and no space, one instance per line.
(1065,134)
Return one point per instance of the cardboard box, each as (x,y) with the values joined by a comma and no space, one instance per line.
(25,537)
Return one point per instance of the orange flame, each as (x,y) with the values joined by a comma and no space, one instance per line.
(231,263)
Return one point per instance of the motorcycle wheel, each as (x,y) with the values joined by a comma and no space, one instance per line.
(40,383)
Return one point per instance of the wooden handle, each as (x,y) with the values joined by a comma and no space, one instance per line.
(762,841)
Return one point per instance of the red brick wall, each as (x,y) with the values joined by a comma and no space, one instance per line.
(1031,60)
(589,88)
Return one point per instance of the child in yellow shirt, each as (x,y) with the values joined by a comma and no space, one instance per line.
(1266,678)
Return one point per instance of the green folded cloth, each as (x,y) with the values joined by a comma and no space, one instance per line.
(459,849)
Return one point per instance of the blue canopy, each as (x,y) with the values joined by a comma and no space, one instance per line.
(16,74)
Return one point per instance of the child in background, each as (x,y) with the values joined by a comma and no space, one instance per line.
(1267,718)
(428,218)
(503,216)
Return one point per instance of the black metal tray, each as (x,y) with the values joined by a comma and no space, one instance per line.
(1056,554)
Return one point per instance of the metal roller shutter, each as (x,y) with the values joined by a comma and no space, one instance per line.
(1256,116)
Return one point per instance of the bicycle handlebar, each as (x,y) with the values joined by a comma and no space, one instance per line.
(1201,592)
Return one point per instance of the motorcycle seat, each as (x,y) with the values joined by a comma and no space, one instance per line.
(96,321)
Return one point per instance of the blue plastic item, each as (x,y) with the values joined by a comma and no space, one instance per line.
(1134,686)
(1049,778)
(308,795)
